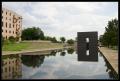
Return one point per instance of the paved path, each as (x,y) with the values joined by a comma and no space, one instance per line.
(111,56)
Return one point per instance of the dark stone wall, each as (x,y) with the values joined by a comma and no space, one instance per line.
(92,46)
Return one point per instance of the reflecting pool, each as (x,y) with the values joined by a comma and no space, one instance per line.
(62,64)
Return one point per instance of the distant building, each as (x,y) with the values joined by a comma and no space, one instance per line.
(11,24)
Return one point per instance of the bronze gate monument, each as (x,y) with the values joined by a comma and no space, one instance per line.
(87,46)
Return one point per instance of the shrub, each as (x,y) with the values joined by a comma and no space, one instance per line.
(53,40)
(17,38)
(70,42)
(11,39)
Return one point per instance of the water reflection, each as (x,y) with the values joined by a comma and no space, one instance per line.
(70,51)
(55,65)
(62,53)
(53,53)
(32,60)
(11,67)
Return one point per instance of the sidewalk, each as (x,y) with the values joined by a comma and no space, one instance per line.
(111,56)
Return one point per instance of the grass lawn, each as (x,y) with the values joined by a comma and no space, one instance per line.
(15,46)
(30,45)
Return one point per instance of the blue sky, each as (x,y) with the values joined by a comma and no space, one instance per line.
(65,18)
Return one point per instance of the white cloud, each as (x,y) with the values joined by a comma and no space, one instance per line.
(65,18)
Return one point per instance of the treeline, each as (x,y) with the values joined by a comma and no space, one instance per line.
(110,37)
(35,33)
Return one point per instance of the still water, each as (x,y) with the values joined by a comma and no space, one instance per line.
(62,64)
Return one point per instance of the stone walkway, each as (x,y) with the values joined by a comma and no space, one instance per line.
(111,56)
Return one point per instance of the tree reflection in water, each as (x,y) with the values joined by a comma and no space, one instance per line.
(70,51)
(62,53)
(33,60)
(53,53)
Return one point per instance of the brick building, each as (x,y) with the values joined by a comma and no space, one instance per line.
(11,24)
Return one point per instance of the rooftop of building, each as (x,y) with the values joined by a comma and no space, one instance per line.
(12,11)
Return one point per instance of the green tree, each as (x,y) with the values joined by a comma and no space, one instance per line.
(48,38)
(33,33)
(12,39)
(62,39)
(42,36)
(70,41)
(53,40)
(110,37)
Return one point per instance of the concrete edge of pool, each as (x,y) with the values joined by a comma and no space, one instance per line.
(115,74)
(33,51)
(111,56)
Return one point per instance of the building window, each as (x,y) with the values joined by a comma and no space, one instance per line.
(6,13)
(9,25)
(13,61)
(13,32)
(13,68)
(9,69)
(5,63)
(2,30)
(6,69)
(6,31)
(6,37)
(13,25)
(6,18)
(9,31)
(16,61)
(2,24)
(6,24)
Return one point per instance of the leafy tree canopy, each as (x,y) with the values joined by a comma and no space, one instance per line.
(33,33)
